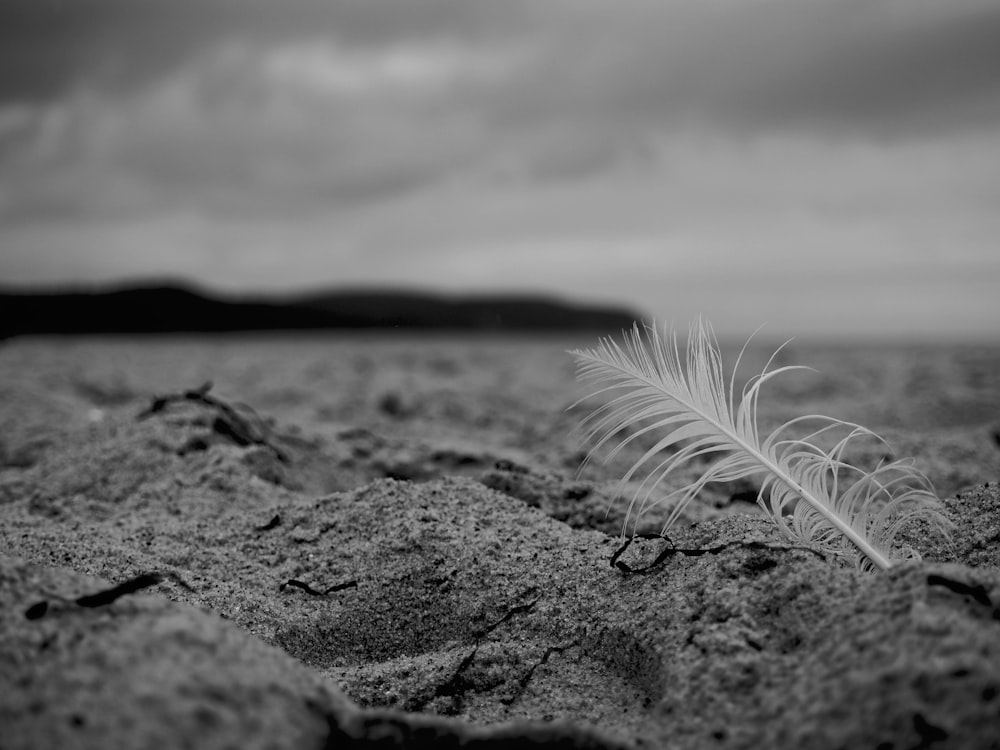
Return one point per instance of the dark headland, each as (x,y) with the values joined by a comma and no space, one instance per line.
(177,308)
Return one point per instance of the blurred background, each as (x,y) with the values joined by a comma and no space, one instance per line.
(828,167)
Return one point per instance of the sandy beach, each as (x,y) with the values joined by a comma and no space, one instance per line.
(376,540)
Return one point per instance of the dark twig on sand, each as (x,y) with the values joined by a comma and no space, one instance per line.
(314,592)
(107,596)
(230,423)
(457,684)
(976,592)
(670,551)
(274,523)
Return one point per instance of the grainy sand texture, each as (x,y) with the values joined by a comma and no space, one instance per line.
(384,541)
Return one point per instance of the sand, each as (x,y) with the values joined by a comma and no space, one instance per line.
(356,541)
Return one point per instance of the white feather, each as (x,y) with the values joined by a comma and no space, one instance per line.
(814,495)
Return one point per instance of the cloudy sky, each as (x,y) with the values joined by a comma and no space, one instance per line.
(827,167)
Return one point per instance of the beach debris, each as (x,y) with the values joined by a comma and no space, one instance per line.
(670,550)
(291,582)
(975,591)
(457,684)
(272,524)
(522,684)
(237,422)
(103,598)
(37,610)
(132,585)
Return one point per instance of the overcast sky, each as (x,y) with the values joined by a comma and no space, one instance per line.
(827,167)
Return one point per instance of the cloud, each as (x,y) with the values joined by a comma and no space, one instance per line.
(307,126)
(869,63)
(645,150)
(338,104)
(246,93)
(51,48)
(877,68)
(887,68)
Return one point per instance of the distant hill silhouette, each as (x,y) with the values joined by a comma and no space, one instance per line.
(175,308)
